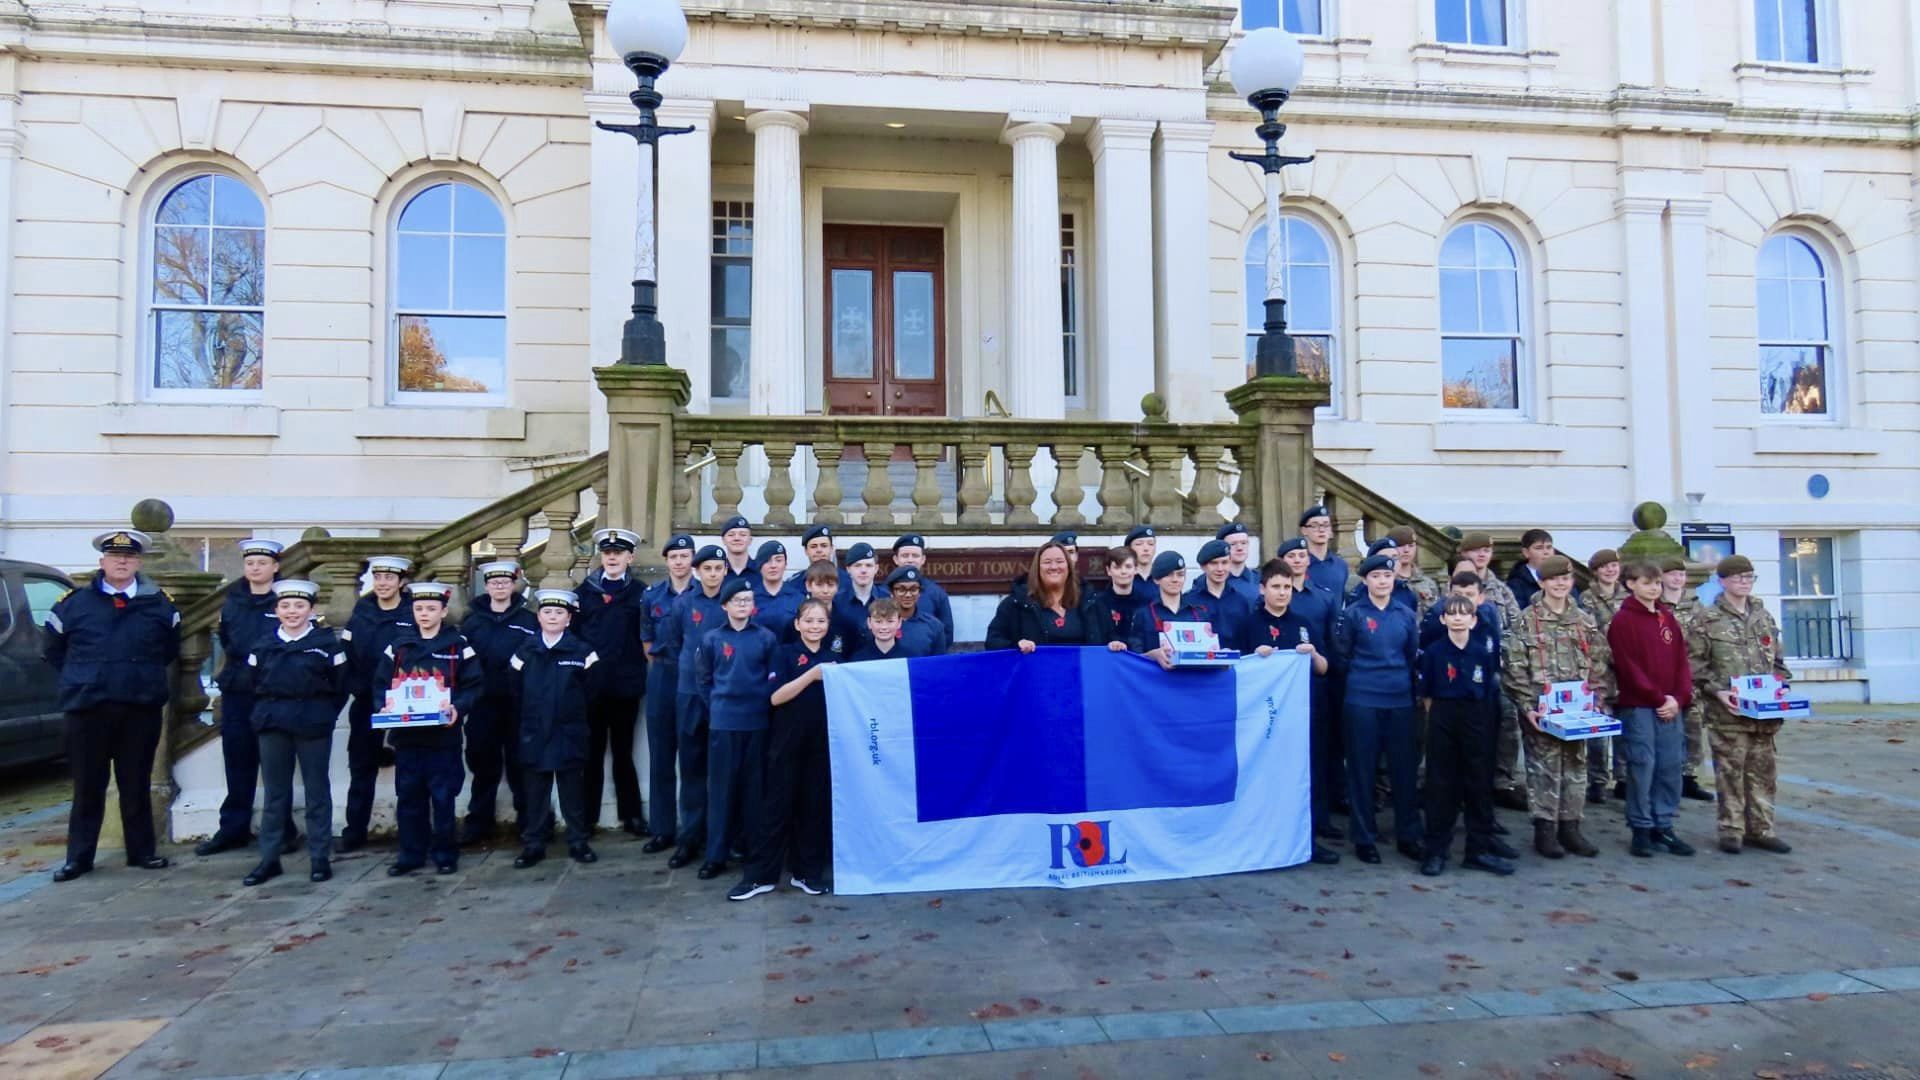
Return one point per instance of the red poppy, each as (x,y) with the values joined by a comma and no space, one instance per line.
(727,651)
(1116,618)
(1273,632)
(696,617)
(606,598)
(803,660)
(1372,625)
(119,602)
(1451,673)
(1059,621)
(1766,641)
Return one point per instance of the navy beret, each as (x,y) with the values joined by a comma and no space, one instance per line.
(901,574)
(1231,528)
(859,553)
(1139,532)
(1312,512)
(768,550)
(816,532)
(710,553)
(1385,543)
(734,588)
(1166,563)
(1067,537)
(910,540)
(1298,543)
(735,522)
(1211,550)
(678,542)
(1375,562)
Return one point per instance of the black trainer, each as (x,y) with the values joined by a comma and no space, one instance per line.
(322,871)
(261,874)
(656,845)
(1664,840)
(1433,865)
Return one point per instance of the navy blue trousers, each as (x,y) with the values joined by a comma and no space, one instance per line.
(691,727)
(663,747)
(240,753)
(736,786)
(493,751)
(426,784)
(1369,731)
(363,765)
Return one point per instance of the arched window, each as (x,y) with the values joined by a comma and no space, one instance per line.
(450,294)
(1482,341)
(208,305)
(1309,283)
(1795,297)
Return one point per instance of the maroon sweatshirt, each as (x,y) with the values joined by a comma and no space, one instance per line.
(1649,657)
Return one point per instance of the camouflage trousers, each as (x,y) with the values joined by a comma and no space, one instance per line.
(1743,774)
(1695,721)
(1506,748)
(1556,777)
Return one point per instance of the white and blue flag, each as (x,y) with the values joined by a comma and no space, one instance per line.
(1064,767)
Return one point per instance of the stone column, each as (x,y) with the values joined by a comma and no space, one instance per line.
(641,405)
(1122,266)
(685,245)
(777,364)
(1691,349)
(1183,353)
(1649,375)
(1036,379)
(1282,408)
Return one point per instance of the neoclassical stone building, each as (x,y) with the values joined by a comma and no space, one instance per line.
(350,262)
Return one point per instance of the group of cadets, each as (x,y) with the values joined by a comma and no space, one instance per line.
(723,658)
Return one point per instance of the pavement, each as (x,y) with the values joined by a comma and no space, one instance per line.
(1751,965)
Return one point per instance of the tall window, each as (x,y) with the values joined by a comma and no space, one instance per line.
(1307,281)
(450,294)
(1795,330)
(1809,597)
(1788,30)
(1304,17)
(1481,345)
(209,278)
(1471,22)
(732,301)
(1070,311)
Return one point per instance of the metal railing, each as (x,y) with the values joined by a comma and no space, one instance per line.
(1818,637)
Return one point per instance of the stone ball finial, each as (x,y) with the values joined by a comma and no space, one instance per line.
(1649,515)
(152,516)
(315,532)
(1453,533)
(1153,406)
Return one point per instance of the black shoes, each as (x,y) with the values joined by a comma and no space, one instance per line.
(217,843)
(1690,789)
(1664,840)
(1367,853)
(350,841)
(1488,862)
(635,827)
(747,890)
(1325,856)
(1642,843)
(581,853)
(71,871)
(322,871)
(446,868)
(261,874)
(528,857)
(679,859)
(1412,849)
(1510,798)
(1769,843)
(151,862)
(656,845)
(709,871)
(1499,848)
(402,868)
(1433,865)
(1596,794)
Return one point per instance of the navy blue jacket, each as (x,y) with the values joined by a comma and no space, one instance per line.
(552,686)
(1229,610)
(775,611)
(870,651)
(1329,573)
(609,621)
(694,616)
(1285,633)
(1246,583)
(369,631)
(496,636)
(656,606)
(299,686)
(924,633)
(1111,615)
(1451,673)
(809,709)
(849,611)
(245,620)
(448,655)
(1432,629)
(1317,606)
(736,675)
(843,634)
(1402,594)
(934,601)
(1377,649)
(110,650)
(1150,620)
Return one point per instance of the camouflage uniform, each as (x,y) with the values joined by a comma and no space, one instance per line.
(1506,757)
(1724,645)
(1426,591)
(1686,611)
(1602,755)
(1546,648)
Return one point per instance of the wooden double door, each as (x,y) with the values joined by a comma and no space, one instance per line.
(886,321)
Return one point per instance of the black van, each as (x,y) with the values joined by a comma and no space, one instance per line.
(31,726)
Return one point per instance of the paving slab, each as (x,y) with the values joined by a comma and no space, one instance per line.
(1894,978)
(1429,1009)
(1250,1019)
(815,1050)
(1564,999)
(663,1061)
(1125,1027)
(548,1068)
(1797,984)
(1674,992)
(930,1042)
(1031,1034)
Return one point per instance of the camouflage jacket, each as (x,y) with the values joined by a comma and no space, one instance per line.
(1724,645)
(1546,648)
(1495,592)
(1602,608)
(1425,590)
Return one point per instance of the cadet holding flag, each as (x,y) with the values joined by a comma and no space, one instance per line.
(426,768)
(1230,610)
(610,615)
(1113,608)
(920,632)
(1276,627)
(246,617)
(1556,641)
(1171,604)
(111,642)
(297,676)
(1732,638)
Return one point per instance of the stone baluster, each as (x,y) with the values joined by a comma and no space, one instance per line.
(726,478)
(973,491)
(1116,495)
(826,482)
(1020,493)
(779,481)
(1163,492)
(339,581)
(453,568)
(926,485)
(1067,489)
(878,494)
(548,566)
(691,481)
(682,486)
(1206,484)
(1246,490)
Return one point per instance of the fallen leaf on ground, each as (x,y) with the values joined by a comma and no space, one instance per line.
(1568,918)
(1817,996)
(803,999)
(1702,1061)
(1336,1056)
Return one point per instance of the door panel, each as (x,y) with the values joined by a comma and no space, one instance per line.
(886,349)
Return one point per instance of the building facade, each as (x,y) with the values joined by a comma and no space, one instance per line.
(351,262)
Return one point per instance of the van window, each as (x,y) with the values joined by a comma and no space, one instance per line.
(6,611)
(42,594)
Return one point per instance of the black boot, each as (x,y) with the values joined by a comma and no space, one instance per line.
(1596,794)
(1665,840)
(219,842)
(1500,848)
(528,857)
(656,845)
(261,874)
(322,871)
(1642,843)
(1690,789)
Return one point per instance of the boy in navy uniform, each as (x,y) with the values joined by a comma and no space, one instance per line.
(1310,601)
(497,624)
(1242,576)
(1276,627)
(427,771)
(860,589)
(378,618)
(1402,592)
(246,618)
(1486,620)
(920,632)
(911,550)
(817,545)
(610,616)
(663,680)
(736,667)
(1228,608)
(695,615)
(1377,642)
(297,676)
(736,537)
(823,583)
(1143,541)
(553,678)
(1325,566)
(1171,605)
(1458,682)
(883,634)
(775,599)
(1111,611)
(796,813)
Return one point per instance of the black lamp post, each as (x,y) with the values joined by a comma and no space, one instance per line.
(1266,67)
(648,35)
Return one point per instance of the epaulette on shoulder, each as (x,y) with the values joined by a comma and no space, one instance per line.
(66,594)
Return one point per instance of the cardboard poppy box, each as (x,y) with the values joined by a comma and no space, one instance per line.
(1568,712)
(417,702)
(1765,697)
(1195,645)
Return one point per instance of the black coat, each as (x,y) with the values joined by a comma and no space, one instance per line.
(552,686)
(496,636)
(609,621)
(246,619)
(110,650)
(1022,618)
(299,687)
(449,656)
(369,632)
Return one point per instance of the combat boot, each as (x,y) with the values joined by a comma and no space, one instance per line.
(1546,840)
(1571,840)
(1690,789)
(1642,843)
(1769,843)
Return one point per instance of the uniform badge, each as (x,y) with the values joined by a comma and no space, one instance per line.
(836,643)
(1477,674)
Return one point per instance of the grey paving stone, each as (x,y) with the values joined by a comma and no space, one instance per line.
(816,1050)
(930,1042)
(1126,1027)
(664,1060)
(1891,978)
(1562,999)
(1253,1019)
(429,1071)
(1429,1009)
(1797,984)
(1033,1034)
(515,1068)
(1660,995)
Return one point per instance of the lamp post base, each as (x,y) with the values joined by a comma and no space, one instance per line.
(643,341)
(1274,354)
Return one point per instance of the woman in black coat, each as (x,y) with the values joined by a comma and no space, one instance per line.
(1049,612)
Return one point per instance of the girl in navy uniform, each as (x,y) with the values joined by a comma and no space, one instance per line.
(1145,544)
(1376,642)
(496,626)
(610,622)
(663,680)
(796,812)
(1402,592)
(920,632)
(1171,605)
(1112,609)
(1228,608)
(1457,684)
(775,599)
(297,675)
(1276,627)
(736,665)
(246,617)
(1050,613)
(378,618)
(427,771)
(696,614)
(553,677)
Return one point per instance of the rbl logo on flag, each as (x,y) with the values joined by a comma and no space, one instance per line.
(1084,844)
